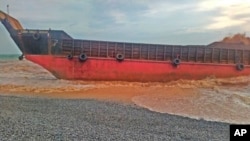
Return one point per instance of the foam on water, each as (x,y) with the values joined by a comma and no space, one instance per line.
(212,99)
(226,100)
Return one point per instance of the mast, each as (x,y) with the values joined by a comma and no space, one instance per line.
(8,11)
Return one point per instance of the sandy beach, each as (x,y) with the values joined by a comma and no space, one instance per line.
(32,118)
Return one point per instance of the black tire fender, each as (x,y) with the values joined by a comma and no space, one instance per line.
(176,61)
(119,57)
(83,57)
(36,36)
(70,56)
(240,66)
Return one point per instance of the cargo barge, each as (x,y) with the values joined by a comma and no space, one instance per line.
(75,59)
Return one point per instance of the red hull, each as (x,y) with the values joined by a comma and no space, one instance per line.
(131,70)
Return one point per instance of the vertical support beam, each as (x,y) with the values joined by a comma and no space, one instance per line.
(132,52)
(188,54)
(212,55)
(107,47)
(99,48)
(140,51)
(196,54)
(115,48)
(81,46)
(49,43)
(227,56)
(90,47)
(124,49)
(235,56)
(148,51)
(248,57)
(243,56)
(164,53)
(220,55)
(181,53)
(172,53)
(73,44)
(204,51)
(156,52)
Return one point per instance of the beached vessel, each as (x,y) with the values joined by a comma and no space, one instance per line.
(68,58)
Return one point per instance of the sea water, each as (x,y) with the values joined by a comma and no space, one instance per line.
(8,57)
(214,99)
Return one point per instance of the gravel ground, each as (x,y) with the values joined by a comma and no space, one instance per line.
(40,119)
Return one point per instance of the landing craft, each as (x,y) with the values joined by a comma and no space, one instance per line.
(74,59)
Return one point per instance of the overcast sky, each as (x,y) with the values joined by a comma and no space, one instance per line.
(150,21)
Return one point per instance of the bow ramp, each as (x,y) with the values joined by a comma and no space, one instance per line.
(15,24)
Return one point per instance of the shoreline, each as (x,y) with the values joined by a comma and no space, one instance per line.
(186,102)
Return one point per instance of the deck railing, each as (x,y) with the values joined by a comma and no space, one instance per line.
(155,52)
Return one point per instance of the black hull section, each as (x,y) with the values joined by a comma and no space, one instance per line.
(39,41)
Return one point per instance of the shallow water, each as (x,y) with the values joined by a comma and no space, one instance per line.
(226,100)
